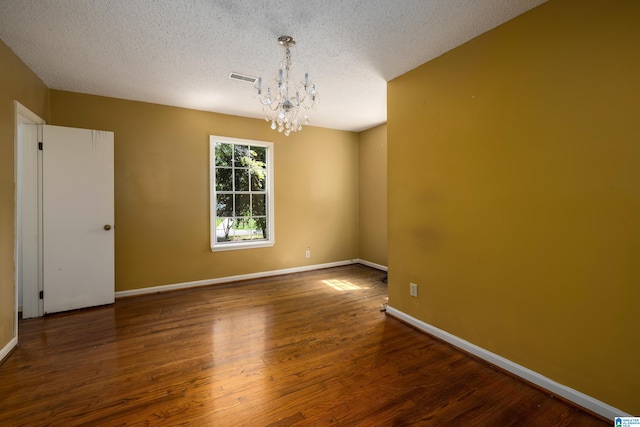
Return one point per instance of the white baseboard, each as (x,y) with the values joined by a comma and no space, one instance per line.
(371,264)
(7,348)
(533,377)
(206,282)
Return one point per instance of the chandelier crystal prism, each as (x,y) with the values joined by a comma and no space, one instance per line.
(286,103)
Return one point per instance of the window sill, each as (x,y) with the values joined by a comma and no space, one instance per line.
(220,247)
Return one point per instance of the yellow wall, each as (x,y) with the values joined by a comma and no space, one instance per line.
(373,195)
(514,194)
(17,82)
(162,190)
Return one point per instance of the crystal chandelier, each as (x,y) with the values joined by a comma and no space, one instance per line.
(286,103)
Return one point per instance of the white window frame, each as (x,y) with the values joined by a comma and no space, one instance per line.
(245,244)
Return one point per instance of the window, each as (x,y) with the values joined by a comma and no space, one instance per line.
(241,193)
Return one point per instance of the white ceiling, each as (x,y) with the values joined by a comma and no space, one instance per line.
(180,52)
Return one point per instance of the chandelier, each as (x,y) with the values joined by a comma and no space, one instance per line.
(286,103)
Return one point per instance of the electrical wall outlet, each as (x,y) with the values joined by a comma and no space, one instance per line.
(307,253)
(413,290)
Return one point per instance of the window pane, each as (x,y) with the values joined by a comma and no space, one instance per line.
(224,153)
(259,202)
(223,229)
(241,229)
(224,205)
(242,155)
(259,154)
(256,230)
(260,228)
(243,206)
(242,179)
(258,179)
(224,180)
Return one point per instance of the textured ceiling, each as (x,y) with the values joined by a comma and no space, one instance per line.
(180,52)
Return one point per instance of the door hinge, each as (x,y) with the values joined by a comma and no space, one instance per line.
(40,146)
(41,294)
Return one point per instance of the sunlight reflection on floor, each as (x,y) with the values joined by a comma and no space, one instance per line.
(342,285)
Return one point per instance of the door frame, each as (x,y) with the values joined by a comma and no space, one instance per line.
(24,116)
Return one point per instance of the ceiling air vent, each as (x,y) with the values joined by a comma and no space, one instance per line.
(242,77)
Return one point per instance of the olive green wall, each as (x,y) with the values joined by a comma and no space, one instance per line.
(17,82)
(373,195)
(162,191)
(514,196)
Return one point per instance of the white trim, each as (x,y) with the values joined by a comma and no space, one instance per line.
(7,348)
(25,112)
(247,244)
(22,115)
(568,393)
(229,246)
(372,264)
(228,279)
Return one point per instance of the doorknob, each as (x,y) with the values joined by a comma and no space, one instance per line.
(107,227)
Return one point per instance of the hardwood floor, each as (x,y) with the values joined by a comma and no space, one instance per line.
(304,349)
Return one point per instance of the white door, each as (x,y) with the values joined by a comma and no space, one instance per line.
(78,217)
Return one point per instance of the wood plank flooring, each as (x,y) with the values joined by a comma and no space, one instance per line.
(309,349)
